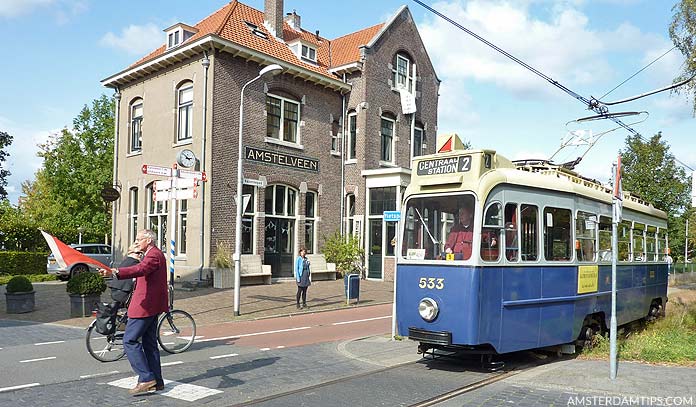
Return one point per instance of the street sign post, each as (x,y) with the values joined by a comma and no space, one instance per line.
(394,216)
(254,182)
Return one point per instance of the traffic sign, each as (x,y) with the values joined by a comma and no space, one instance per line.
(392,216)
(174,194)
(181,183)
(201,175)
(156,170)
(254,182)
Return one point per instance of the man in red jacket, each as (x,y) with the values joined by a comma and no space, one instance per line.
(148,301)
(461,234)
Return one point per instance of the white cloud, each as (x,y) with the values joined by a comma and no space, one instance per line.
(135,39)
(14,8)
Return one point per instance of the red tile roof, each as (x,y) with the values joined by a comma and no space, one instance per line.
(229,23)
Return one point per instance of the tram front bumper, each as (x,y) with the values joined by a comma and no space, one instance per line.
(431,337)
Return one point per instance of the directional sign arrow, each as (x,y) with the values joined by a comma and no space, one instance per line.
(156,170)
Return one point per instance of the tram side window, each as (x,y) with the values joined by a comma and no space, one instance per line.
(638,242)
(650,244)
(604,238)
(529,226)
(557,234)
(585,229)
(511,240)
(490,232)
(624,240)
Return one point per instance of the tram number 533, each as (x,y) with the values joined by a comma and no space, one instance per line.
(430,282)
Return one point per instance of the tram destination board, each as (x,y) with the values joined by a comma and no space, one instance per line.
(449,165)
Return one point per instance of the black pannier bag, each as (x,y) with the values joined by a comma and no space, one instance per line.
(106,317)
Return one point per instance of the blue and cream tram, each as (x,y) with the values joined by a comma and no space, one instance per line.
(535,270)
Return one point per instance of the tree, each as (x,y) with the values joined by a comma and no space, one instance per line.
(650,171)
(682,31)
(77,165)
(5,141)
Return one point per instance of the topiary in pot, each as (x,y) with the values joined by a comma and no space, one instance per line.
(19,295)
(85,293)
(19,284)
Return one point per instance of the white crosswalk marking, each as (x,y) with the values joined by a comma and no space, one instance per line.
(181,391)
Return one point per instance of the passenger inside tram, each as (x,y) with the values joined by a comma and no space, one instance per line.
(461,234)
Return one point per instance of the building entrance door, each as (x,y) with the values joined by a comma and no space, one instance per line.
(278,244)
(375,248)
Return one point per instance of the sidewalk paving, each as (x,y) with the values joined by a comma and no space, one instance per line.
(212,306)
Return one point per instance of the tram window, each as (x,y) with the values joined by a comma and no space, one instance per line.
(529,226)
(585,229)
(638,242)
(490,232)
(604,238)
(511,238)
(435,230)
(624,239)
(650,246)
(557,234)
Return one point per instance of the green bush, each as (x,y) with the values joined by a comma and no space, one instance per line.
(19,284)
(86,283)
(345,252)
(34,278)
(16,263)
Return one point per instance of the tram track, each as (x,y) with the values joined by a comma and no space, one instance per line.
(440,396)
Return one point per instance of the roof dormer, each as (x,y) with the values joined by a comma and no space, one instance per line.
(178,34)
(304,51)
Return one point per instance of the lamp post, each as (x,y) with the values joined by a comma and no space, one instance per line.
(270,70)
(79,234)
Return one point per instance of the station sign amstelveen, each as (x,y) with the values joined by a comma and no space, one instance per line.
(281,159)
(449,165)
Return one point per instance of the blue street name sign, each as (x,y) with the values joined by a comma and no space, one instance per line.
(392,216)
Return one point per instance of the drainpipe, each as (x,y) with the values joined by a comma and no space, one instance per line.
(343,158)
(206,64)
(117,96)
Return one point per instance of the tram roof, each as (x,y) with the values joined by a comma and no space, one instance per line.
(487,169)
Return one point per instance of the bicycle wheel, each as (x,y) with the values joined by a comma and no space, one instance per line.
(104,348)
(176,331)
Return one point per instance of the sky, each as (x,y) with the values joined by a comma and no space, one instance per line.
(56,52)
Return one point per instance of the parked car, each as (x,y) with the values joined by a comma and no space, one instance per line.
(98,252)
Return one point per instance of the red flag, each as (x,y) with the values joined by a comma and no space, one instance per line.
(66,255)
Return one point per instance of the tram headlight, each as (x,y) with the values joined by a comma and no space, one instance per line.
(428,309)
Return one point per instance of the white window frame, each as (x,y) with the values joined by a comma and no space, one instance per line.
(136,124)
(281,132)
(381,137)
(308,52)
(160,211)
(174,38)
(312,219)
(132,214)
(187,108)
(417,129)
(409,79)
(250,212)
(352,143)
(182,225)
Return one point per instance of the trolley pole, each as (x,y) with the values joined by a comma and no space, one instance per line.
(616,218)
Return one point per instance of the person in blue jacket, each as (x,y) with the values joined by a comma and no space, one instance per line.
(302,277)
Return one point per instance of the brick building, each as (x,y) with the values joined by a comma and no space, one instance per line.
(327,142)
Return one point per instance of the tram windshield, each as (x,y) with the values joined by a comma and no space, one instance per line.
(439,227)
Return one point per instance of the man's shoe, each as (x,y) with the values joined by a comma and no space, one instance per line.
(159,387)
(143,388)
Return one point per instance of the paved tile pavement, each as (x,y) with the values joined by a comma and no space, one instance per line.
(212,306)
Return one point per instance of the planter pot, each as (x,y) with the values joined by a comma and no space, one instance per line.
(81,305)
(223,278)
(19,303)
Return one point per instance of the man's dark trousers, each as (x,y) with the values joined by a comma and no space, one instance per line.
(144,358)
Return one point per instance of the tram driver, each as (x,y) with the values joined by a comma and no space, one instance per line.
(460,236)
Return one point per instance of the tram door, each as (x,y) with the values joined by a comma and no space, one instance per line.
(374,257)
(278,245)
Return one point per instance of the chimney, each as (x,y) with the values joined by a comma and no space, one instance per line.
(273,16)
(293,20)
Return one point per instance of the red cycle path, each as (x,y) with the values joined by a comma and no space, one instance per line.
(301,329)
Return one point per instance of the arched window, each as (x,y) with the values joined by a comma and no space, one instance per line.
(350,213)
(283,118)
(281,212)
(185,111)
(403,70)
(136,125)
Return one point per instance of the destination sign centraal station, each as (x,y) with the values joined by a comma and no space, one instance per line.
(449,165)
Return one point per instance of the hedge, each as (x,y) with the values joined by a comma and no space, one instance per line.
(17,263)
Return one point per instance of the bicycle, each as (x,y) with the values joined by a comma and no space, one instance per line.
(176,331)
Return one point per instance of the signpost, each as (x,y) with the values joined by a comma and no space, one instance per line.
(182,184)
(394,216)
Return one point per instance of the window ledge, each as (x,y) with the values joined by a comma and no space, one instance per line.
(283,143)
(336,153)
(352,161)
(387,164)
(183,143)
(134,153)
